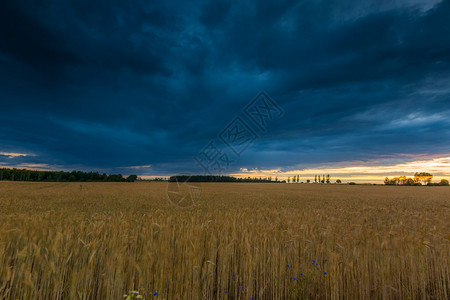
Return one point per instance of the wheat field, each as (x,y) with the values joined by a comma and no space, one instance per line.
(238,241)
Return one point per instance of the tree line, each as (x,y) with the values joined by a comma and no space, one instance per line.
(317,179)
(219,178)
(61,176)
(223,178)
(422,178)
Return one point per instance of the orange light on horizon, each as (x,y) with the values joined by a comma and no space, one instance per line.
(440,167)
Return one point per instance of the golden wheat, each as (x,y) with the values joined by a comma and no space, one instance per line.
(239,241)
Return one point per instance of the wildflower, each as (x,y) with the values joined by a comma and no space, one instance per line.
(295,278)
(226,292)
(325,273)
(301,274)
(288,265)
(155,294)
(234,275)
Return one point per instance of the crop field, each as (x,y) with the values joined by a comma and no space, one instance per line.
(237,241)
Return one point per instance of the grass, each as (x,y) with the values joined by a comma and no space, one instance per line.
(102,240)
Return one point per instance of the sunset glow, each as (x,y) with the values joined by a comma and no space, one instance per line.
(359,172)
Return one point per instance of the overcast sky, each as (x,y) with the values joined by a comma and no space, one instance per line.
(147,88)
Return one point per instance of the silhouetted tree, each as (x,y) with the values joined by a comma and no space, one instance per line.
(131,178)
(444,182)
(401,180)
(59,176)
(423,177)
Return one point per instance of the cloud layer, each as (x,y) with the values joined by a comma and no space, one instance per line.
(115,85)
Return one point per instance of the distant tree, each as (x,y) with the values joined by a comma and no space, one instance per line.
(315,179)
(423,177)
(58,176)
(444,182)
(400,180)
(338,181)
(308,181)
(289,179)
(115,178)
(328,178)
(409,181)
(276,178)
(131,178)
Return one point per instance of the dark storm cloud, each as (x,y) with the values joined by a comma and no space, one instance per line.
(28,41)
(111,84)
